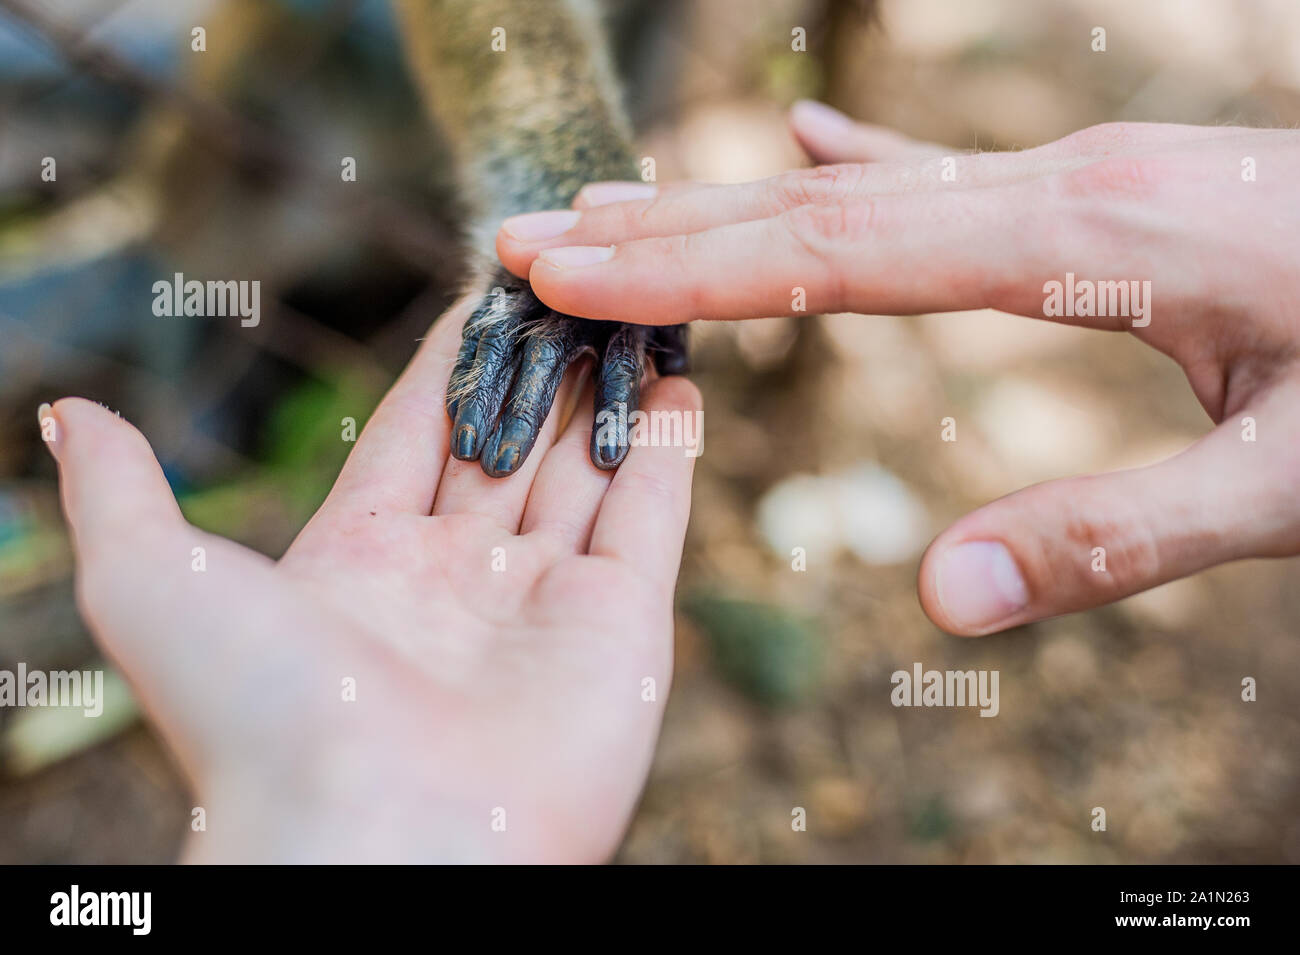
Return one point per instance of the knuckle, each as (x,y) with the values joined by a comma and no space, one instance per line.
(623,366)
(1118,176)
(497,341)
(822,227)
(527,411)
(1132,553)
(816,186)
(545,348)
(643,216)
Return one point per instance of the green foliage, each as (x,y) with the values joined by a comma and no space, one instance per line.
(787,78)
(768,653)
(930,820)
(304,451)
(304,432)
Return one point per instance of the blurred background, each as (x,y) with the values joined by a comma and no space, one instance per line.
(822,433)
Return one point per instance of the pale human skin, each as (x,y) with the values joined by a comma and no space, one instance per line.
(882,232)
(477,689)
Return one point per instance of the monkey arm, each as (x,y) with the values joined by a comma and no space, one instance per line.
(526,94)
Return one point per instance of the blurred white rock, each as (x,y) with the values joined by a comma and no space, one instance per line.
(798,512)
(866,510)
(882,520)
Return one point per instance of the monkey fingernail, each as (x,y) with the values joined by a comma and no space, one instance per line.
(465,443)
(536,226)
(575,256)
(603,193)
(507,459)
(609,456)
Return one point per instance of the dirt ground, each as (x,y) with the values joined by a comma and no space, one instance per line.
(781,697)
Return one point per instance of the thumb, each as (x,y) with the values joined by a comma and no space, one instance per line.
(828,136)
(115,496)
(133,547)
(127,531)
(1081,542)
(168,628)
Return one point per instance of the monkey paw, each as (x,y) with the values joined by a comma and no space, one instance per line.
(513,354)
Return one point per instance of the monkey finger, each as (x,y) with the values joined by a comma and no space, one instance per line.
(462,369)
(544,358)
(668,346)
(618,386)
(468,489)
(504,312)
(486,385)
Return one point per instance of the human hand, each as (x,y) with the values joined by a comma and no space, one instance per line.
(498,647)
(886,232)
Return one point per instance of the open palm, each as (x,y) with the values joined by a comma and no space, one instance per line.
(442,665)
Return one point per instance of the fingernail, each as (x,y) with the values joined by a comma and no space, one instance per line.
(49,426)
(574,256)
(507,459)
(603,193)
(814,115)
(465,442)
(536,226)
(610,454)
(978,584)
